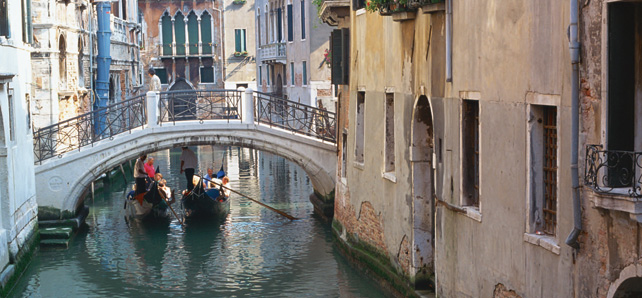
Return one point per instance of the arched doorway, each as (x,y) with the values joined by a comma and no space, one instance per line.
(182,105)
(630,288)
(279,86)
(421,156)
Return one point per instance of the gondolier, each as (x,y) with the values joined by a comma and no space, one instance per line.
(188,164)
(140,174)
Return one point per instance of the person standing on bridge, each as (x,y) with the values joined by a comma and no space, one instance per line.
(155,84)
(140,174)
(188,164)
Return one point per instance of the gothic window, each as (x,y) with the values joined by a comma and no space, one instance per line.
(206,32)
(166,24)
(179,32)
(192,32)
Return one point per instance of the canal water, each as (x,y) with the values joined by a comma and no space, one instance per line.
(253,252)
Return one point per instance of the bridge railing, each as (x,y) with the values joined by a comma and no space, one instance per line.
(85,129)
(296,117)
(200,105)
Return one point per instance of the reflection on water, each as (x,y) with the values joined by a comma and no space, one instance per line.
(253,252)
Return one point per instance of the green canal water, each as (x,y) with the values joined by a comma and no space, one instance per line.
(252,253)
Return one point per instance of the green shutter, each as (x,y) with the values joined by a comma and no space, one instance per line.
(336,56)
(292,73)
(166,23)
(305,73)
(192,31)
(290,22)
(179,32)
(206,32)
(302,19)
(243,47)
(237,40)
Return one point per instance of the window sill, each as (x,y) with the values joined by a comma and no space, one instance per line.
(358,165)
(618,199)
(360,11)
(545,241)
(389,176)
(473,213)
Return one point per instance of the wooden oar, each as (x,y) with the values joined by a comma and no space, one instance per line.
(290,217)
(170,208)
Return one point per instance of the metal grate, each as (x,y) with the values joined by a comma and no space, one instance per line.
(550,170)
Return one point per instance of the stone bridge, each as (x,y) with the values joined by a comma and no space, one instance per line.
(67,163)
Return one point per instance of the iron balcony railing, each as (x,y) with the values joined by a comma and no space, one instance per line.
(273,51)
(296,117)
(199,105)
(83,130)
(612,171)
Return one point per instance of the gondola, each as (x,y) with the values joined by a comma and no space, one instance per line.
(148,205)
(201,203)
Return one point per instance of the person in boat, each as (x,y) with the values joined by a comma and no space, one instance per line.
(207,184)
(166,192)
(140,174)
(225,190)
(188,165)
(149,168)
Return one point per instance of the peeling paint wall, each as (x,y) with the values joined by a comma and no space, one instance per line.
(242,69)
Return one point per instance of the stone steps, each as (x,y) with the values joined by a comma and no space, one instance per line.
(55,243)
(56,233)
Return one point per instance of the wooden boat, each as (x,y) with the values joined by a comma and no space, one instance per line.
(201,203)
(148,205)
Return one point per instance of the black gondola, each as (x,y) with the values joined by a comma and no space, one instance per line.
(201,203)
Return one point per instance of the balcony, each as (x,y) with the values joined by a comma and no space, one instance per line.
(332,12)
(616,179)
(186,50)
(118,29)
(273,53)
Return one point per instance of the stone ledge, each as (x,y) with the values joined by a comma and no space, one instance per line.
(404,16)
(547,242)
(618,200)
(389,176)
(473,213)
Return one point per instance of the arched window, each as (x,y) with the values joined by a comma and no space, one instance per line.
(179,32)
(166,28)
(81,71)
(62,56)
(192,31)
(206,32)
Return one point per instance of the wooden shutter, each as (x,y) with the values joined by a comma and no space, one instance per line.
(166,23)
(345,55)
(206,33)
(279,22)
(290,24)
(192,33)
(237,40)
(302,19)
(179,32)
(336,56)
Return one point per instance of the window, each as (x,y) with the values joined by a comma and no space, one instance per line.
(340,52)
(162,75)
(358,4)
(206,33)
(260,75)
(239,38)
(302,19)
(290,23)
(543,169)
(360,127)
(28,100)
(268,74)
(4,19)
(470,153)
(292,73)
(123,9)
(259,31)
(279,26)
(12,134)
(166,28)
(389,153)
(27,25)
(62,61)
(305,74)
(81,68)
(207,74)
(192,33)
(179,33)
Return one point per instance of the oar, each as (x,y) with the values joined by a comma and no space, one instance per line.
(170,208)
(290,217)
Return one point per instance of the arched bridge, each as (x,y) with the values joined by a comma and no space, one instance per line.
(71,154)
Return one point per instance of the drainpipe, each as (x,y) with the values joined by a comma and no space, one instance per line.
(574,47)
(449,40)
(103,11)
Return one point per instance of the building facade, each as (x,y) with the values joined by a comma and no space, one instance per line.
(240,49)
(18,206)
(183,43)
(292,46)
(454,163)
(64,57)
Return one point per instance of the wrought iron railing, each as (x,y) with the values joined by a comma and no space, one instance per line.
(611,171)
(296,117)
(85,129)
(200,105)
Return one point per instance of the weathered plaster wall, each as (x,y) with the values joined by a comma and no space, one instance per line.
(240,70)
(502,52)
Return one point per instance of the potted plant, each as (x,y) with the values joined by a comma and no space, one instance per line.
(239,1)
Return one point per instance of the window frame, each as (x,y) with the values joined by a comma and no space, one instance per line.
(304,74)
(476,163)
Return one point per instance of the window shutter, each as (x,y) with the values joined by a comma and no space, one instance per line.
(302,19)
(305,73)
(243,47)
(192,33)
(166,24)
(290,24)
(237,39)
(279,21)
(206,33)
(345,56)
(336,56)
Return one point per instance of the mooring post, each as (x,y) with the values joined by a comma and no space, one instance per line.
(152,109)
